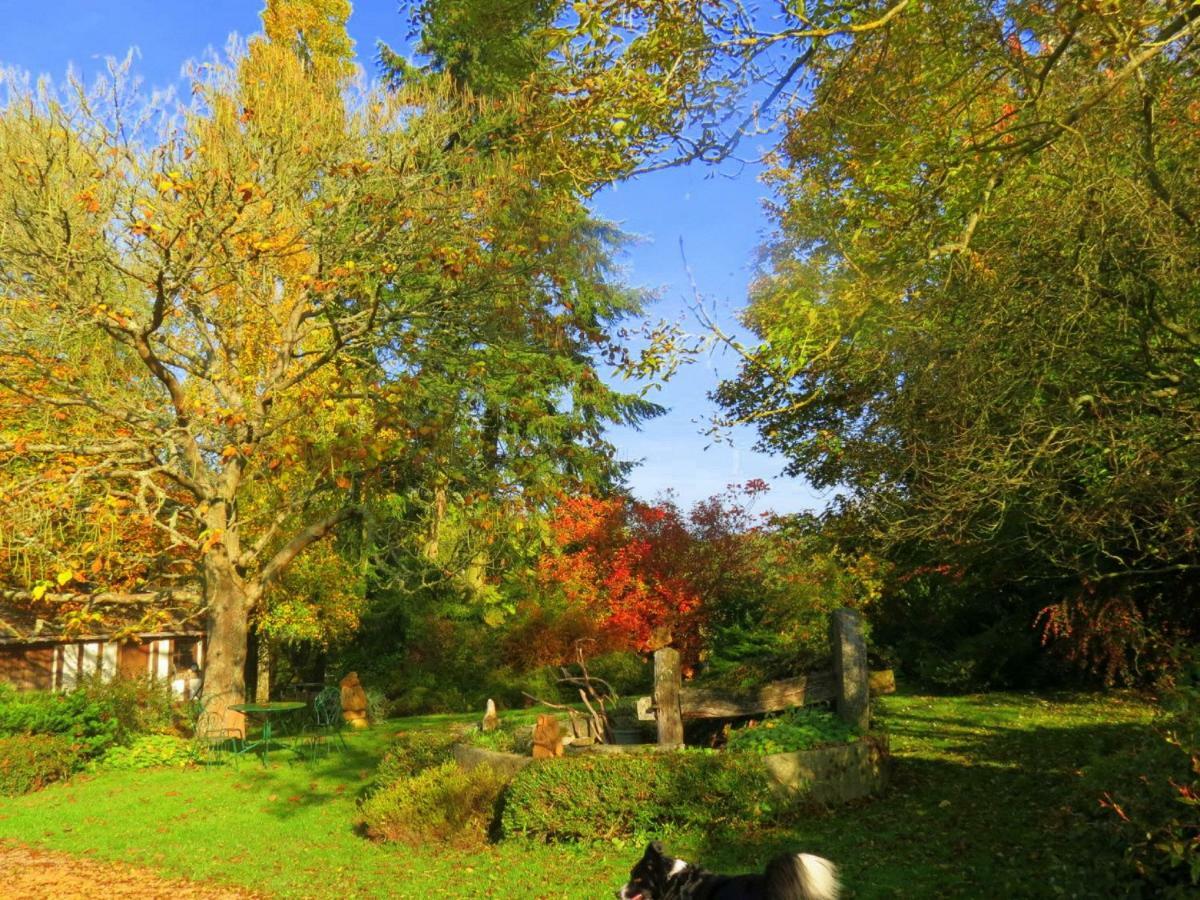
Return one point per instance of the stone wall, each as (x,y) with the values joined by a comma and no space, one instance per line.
(507,764)
(827,775)
(832,774)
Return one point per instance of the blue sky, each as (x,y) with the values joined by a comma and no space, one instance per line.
(717,218)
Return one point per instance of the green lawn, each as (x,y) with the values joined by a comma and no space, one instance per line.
(990,799)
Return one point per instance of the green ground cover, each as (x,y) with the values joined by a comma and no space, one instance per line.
(992,797)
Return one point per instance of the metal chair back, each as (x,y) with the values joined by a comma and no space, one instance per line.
(327,708)
(212,737)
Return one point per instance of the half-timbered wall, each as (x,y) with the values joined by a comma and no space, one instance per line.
(62,666)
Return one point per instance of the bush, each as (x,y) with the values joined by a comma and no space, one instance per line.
(444,803)
(378,706)
(1152,796)
(88,722)
(96,715)
(798,729)
(629,674)
(412,752)
(30,762)
(635,795)
(502,740)
(139,705)
(149,751)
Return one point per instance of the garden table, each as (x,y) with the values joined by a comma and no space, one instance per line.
(265,711)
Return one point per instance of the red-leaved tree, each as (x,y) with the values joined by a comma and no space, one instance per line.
(645,571)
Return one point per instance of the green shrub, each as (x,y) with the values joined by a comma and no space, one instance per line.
(90,723)
(378,705)
(604,796)
(501,739)
(799,729)
(30,762)
(149,751)
(96,715)
(413,752)
(139,705)
(445,803)
(1151,794)
(628,673)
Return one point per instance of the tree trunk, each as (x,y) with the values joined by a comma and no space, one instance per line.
(433,541)
(228,630)
(262,679)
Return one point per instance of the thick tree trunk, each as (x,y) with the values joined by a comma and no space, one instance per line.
(228,629)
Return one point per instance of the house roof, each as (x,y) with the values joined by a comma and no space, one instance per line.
(27,621)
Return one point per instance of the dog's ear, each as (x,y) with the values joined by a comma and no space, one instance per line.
(654,848)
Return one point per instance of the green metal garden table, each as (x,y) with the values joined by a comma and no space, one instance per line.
(265,711)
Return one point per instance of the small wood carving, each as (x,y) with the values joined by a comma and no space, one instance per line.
(354,702)
(547,737)
(491,721)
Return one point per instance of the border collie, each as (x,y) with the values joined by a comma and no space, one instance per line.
(801,876)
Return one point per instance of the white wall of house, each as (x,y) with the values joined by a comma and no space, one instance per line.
(100,659)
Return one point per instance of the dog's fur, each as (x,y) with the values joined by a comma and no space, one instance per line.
(801,876)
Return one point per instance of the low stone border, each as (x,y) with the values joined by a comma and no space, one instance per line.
(507,764)
(833,774)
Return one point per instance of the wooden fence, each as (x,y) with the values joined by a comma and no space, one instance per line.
(849,685)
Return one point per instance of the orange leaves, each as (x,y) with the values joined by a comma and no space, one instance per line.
(626,563)
(209,539)
(353,168)
(230,417)
(87,199)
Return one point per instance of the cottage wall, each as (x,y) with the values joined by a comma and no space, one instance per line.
(28,668)
(61,666)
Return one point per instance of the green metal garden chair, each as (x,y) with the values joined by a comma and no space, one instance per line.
(326,721)
(212,738)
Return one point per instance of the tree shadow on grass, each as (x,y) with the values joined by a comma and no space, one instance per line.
(1005,812)
(293,784)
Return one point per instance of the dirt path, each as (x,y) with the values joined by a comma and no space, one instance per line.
(32,874)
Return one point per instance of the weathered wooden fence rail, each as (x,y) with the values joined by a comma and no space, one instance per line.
(804,690)
(848,686)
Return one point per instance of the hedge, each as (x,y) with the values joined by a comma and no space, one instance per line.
(602,796)
(31,762)
(96,715)
(444,803)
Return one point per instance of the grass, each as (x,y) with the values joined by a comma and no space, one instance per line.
(991,798)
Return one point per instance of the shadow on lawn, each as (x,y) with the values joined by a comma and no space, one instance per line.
(986,811)
(293,784)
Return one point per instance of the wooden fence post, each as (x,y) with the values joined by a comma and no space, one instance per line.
(667,685)
(850,674)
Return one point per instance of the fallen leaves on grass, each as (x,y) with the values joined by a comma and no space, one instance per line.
(32,874)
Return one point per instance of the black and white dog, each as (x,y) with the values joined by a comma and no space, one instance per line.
(800,876)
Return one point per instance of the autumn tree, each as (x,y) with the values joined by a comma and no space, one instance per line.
(624,563)
(623,86)
(223,328)
(979,314)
